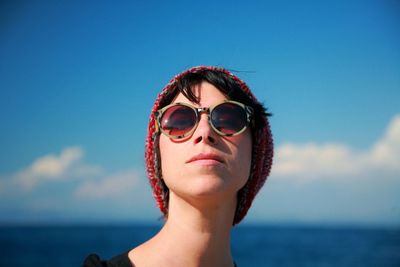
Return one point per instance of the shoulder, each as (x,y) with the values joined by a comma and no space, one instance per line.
(93,260)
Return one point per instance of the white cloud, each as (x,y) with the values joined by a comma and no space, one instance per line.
(109,186)
(312,161)
(334,183)
(54,167)
(386,152)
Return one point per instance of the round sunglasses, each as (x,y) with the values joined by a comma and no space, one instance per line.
(179,120)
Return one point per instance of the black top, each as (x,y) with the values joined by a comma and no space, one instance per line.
(93,260)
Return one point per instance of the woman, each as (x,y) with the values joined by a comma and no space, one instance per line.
(208,152)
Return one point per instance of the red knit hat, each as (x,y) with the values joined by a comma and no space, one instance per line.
(262,150)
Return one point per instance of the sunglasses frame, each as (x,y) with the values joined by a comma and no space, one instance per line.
(158,114)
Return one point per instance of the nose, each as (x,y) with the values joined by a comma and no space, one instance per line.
(204,132)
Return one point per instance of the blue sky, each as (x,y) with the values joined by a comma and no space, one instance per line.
(77,81)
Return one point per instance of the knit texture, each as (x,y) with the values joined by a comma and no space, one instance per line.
(262,152)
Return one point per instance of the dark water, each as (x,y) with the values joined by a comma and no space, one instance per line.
(62,246)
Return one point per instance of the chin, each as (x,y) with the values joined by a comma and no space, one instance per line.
(212,185)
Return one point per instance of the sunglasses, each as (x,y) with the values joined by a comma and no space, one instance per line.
(179,120)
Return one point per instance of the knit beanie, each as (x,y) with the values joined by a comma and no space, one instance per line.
(262,150)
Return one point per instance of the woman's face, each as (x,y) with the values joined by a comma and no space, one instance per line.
(205,164)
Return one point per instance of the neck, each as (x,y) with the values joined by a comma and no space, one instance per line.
(196,235)
(214,216)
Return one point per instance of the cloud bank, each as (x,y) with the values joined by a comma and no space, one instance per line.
(64,187)
(334,183)
(109,186)
(318,161)
(54,168)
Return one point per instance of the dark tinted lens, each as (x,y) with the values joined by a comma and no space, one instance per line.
(178,120)
(229,118)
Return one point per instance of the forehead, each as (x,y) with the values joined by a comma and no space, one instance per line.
(207,93)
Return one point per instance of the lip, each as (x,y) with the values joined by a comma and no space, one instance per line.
(206,157)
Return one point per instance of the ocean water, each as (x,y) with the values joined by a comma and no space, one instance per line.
(66,246)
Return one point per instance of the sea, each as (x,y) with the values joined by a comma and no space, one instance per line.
(252,245)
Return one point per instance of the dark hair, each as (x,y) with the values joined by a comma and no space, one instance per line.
(224,83)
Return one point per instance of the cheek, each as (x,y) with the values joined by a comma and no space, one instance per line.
(164,159)
(245,144)
(242,163)
(168,163)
